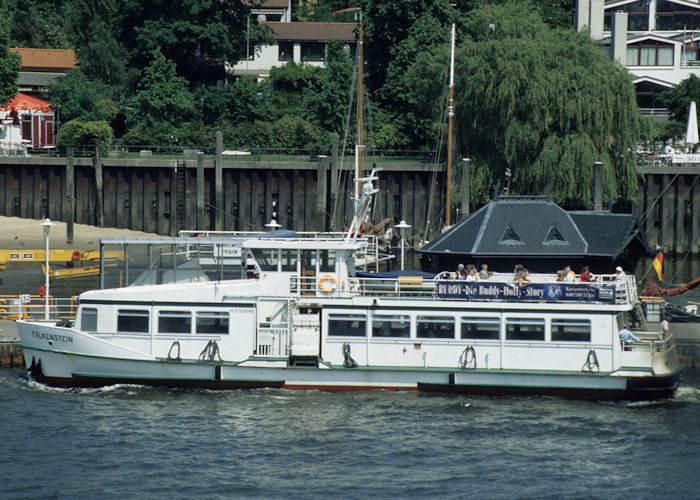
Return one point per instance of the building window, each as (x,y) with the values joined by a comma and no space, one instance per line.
(435,327)
(690,53)
(88,320)
(481,328)
(524,329)
(650,53)
(285,51)
(672,16)
(313,51)
(212,322)
(568,330)
(132,321)
(175,322)
(637,19)
(347,325)
(391,326)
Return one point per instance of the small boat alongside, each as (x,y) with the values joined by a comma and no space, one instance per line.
(307,320)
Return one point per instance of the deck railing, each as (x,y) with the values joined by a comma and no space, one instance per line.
(618,291)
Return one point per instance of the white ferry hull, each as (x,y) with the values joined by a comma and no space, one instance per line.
(77,370)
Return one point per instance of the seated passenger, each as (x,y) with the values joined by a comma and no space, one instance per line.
(517,271)
(460,274)
(484,273)
(524,279)
(586,274)
(561,275)
(472,275)
(570,275)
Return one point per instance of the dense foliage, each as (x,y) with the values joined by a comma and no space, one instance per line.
(532,96)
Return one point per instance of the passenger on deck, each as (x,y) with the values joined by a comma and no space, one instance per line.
(561,275)
(619,274)
(586,274)
(484,273)
(570,275)
(517,271)
(626,335)
(471,276)
(460,274)
(524,279)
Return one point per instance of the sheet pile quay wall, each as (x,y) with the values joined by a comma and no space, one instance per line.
(164,196)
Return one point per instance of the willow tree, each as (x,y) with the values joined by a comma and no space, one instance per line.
(543,103)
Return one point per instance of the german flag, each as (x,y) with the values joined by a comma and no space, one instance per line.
(659,265)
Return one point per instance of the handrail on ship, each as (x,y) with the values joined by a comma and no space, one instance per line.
(422,289)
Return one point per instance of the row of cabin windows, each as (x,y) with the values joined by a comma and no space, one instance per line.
(138,321)
(441,327)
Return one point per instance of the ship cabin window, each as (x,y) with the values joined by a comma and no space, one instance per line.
(347,325)
(524,329)
(289,260)
(569,330)
(326,262)
(266,258)
(481,328)
(88,319)
(174,322)
(391,326)
(132,321)
(212,322)
(435,327)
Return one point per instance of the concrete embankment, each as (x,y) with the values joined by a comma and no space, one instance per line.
(10,351)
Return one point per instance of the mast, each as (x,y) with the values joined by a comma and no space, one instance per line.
(359,146)
(450,114)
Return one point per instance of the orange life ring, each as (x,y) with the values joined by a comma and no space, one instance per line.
(76,255)
(327,283)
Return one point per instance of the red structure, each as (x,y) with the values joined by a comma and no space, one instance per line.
(36,118)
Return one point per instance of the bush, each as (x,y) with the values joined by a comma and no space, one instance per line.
(79,133)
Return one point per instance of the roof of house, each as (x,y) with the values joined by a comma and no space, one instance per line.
(270,4)
(313,31)
(46,59)
(537,227)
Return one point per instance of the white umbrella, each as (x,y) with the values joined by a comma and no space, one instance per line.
(691,134)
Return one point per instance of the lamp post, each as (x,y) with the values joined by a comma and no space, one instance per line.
(402,226)
(46,224)
(273,226)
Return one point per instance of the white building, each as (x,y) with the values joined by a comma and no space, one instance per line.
(656,40)
(298,42)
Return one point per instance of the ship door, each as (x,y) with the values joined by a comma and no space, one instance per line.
(308,272)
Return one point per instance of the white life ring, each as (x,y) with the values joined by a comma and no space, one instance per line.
(327,283)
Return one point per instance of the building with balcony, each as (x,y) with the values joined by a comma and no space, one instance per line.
(656,40)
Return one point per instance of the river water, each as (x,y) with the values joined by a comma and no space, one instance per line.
(132,441)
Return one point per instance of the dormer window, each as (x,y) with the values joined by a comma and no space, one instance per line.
(554,237)
(510,237)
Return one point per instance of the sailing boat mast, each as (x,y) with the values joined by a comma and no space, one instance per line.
(359,146)
(450,115)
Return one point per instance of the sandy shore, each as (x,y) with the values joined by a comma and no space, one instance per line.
(28,234)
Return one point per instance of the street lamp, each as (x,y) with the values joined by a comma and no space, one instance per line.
(273,226)
(46,224)
(402,226)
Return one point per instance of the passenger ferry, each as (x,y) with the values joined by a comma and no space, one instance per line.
(306,319)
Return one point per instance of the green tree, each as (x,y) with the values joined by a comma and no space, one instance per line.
(79,98)
(329,95)
(36,23)
(677,99)
(9,65)
(84,133)
(544,103)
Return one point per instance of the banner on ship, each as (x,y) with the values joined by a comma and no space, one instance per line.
(578,292)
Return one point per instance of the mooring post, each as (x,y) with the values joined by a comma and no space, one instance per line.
(466,180)
(334,177)
(200,192)
(321,192)
(218,183)
(97,162)
(70,195)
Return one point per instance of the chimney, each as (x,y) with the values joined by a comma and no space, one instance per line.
(582,14)
(619,37)
(597,18)
(598,185)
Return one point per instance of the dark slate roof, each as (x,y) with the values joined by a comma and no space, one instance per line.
(308,31)
(537,227)
(608,233)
